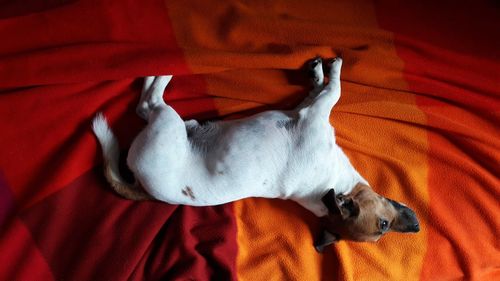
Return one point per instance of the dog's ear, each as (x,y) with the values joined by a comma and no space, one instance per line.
(330,202)
(347,206)
(324,240)
(340,204)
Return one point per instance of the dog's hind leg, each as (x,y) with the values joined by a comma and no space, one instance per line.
(148,81)
(152,94)
(141,110)
(159,152)
(156,111)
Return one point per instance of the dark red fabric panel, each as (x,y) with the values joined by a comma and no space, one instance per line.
(451,53)
(461,27)
(86,41)
(60,63)
(19,256)
(85,232)
(6,201)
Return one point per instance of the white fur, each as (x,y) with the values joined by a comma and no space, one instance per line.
(109,143)
(274,154)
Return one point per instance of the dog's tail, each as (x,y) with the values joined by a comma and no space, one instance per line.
(111,155)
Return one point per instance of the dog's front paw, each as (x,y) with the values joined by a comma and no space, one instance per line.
(335,64)
(315,62)
(315,71)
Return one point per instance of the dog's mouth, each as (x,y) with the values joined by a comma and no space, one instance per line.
(413,228)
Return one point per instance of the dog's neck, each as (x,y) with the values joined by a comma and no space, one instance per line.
(344,177)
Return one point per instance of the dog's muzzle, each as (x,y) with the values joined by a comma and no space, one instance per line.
(407,219)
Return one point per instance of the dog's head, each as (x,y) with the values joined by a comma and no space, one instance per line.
(363,215)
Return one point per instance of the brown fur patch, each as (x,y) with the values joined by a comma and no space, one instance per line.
(373,208)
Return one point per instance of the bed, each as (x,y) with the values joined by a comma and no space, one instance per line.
(418,117)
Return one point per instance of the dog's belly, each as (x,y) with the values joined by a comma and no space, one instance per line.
(270,155)
(246,158)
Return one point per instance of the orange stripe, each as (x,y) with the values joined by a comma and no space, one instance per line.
(382,133)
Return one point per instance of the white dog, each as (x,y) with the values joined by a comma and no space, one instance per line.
(274,154)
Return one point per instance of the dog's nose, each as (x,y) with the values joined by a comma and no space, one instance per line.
(415,228)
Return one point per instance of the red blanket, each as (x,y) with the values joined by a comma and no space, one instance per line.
(418,116)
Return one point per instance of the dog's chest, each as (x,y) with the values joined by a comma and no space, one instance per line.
(310,165)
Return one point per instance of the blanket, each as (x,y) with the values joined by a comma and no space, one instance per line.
(418,117)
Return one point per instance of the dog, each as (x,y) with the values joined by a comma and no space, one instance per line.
(274,154)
